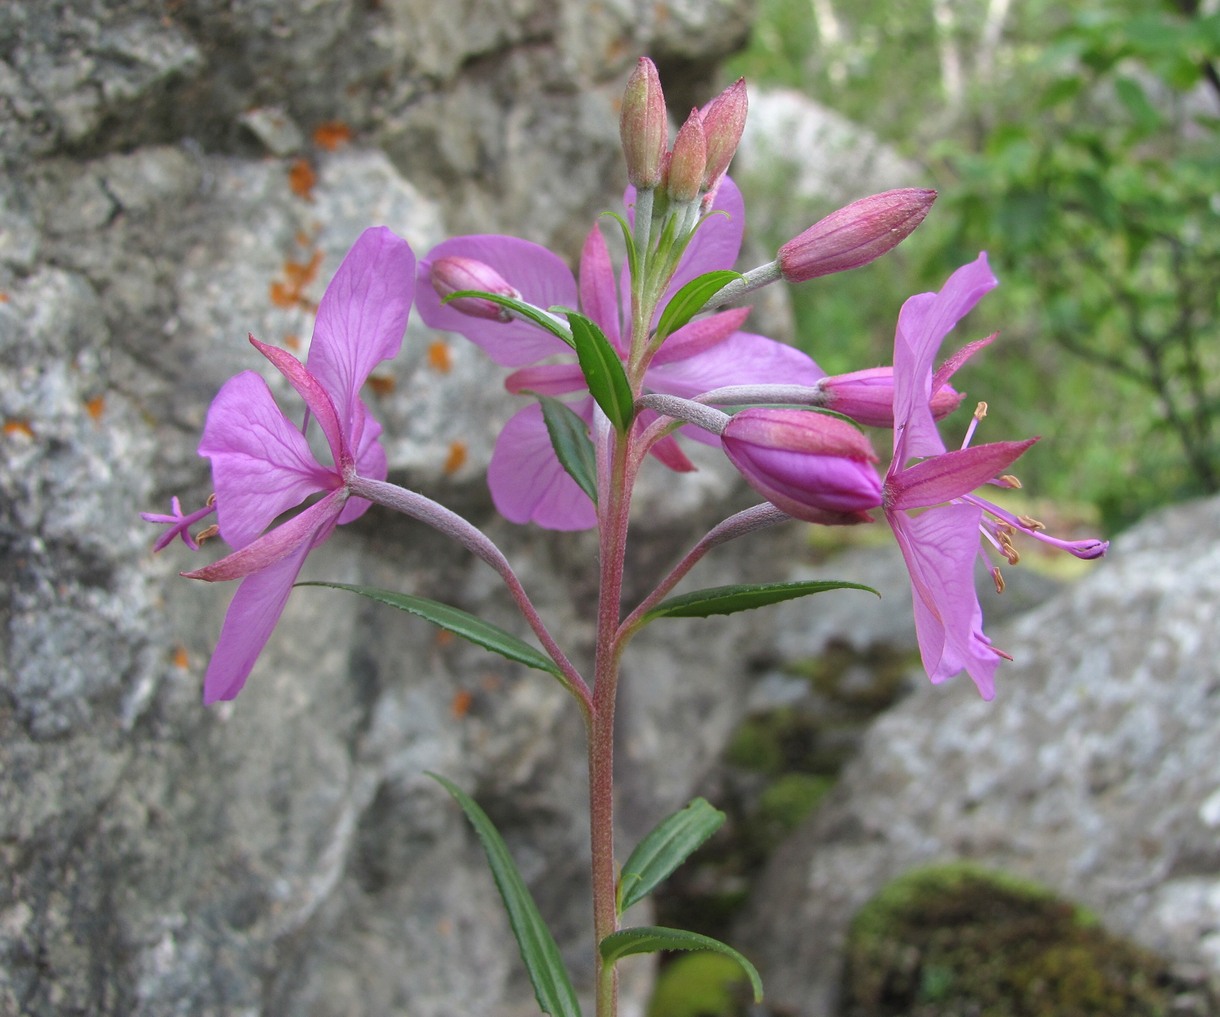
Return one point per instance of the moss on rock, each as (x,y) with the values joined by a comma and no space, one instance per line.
(961,941)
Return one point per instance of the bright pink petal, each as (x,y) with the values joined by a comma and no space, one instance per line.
(698,336)
(742,359)
(261,464)
(528,484)
(942,478)
(361,319)
(923,323)
(540,276)
(370,463)
(940,547)
(261,597)
(599,298)
(547,379)
(316,398)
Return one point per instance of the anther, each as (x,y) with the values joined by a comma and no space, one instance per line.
(1030,523)
(207,533)
(998,579)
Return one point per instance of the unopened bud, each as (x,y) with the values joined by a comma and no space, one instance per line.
(724,120)
(455,274)
(811,465)
(856,234)
(688,160)
(868,396)
(644,125)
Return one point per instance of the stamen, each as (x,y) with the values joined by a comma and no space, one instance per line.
(1030,523)
(207,533)
(997,577)
(1008,480)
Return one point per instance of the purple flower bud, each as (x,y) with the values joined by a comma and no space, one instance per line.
(688,160)
(644,125)
(868,396)
(856,234)
(811,465)
(454,274)
(724,120)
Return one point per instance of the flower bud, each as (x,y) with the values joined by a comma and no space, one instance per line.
(811,465)
(856,234)
(868,396)
(644,125)
(454,274)
(724,120)
(687,161)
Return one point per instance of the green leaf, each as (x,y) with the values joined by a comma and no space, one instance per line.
(633,268)
(730,599)
(603,370)
(460,623)
(521,308)
(570,439)
(552,987)
(664,849)
(689,300)
(652,939)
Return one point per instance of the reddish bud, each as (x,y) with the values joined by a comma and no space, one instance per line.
(724,120)
(688,160)
(644,125)
(856,234)
(455,274)
(811,465)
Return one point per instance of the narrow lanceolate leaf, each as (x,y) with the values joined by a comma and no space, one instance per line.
(603,370)
(570,439)
(689,300)
(523,310)
(552,987)
(730,599)
(653,939)
(664,849)
(460,623)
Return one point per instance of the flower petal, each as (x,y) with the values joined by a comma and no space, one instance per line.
(539,275)
(361,319)
(316,398)
(598,294)
(699,336)
(261,464)
(259,602)
(939,547)
(547,379)
(741,359)
(942,478)
(923,323)
(527,482)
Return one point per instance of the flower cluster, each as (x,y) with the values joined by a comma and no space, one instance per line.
(633,355)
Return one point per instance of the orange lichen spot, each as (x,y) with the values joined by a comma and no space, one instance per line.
(491,682)
(302,178)
(332,135)
(440,358)
(382,384)
(444,638)
(292,342)
(3,298)
(462,701)
(16,426)
(456,458)
(181,659)
(288,292)
(96,406)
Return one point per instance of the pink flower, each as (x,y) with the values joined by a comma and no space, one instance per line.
(262,464)
(527,482)
(941,542)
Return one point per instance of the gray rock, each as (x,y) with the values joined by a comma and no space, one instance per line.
(285,854)
(1094,771)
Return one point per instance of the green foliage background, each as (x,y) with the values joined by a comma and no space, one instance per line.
(1079,144)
